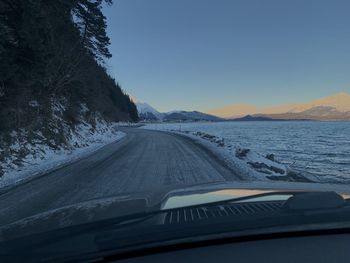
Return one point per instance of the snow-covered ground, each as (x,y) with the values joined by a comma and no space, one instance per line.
(41,157)
(249,164)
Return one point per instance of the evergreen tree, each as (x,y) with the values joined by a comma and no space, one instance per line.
(52,49)
(91,23)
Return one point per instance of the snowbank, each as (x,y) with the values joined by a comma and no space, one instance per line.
(245,162)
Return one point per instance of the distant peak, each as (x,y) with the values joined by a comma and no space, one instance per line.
(134,99)
(342,94)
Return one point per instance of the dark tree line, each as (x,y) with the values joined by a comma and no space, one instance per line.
(54,51)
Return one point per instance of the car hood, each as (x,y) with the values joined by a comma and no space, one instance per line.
(129,204)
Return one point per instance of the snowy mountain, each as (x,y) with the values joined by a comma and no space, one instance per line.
(148,113)
(314,113)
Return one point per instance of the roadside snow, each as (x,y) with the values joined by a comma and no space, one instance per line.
(43,158)
(246,162)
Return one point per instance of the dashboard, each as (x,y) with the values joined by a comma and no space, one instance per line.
(325,248)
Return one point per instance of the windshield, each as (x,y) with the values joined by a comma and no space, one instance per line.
(113,109)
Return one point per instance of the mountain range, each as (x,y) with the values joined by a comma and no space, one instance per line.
(335,107)
(148,113)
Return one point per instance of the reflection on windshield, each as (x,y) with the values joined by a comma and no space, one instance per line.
(221,195)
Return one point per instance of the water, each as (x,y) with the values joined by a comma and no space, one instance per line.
(321,148)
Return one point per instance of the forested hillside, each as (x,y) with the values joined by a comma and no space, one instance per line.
(52,75)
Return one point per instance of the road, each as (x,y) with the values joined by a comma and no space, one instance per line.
(143,160)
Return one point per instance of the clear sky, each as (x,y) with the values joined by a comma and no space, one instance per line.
(202,54)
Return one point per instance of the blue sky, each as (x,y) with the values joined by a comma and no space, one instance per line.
(203,54)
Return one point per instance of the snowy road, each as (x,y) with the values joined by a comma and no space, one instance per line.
(144,160)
